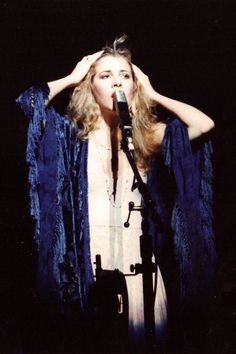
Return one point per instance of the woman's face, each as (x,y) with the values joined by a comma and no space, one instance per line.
(111,74)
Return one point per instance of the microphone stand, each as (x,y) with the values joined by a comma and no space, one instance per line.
(147,268)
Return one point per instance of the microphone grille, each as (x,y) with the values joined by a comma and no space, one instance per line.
(120,96)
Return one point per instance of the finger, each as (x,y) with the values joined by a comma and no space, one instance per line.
(90,59)
(96,55)
(99,52)
(134,66)
(86,58)
(136,69)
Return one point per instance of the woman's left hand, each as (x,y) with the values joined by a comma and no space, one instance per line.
(197,122)
(145,82)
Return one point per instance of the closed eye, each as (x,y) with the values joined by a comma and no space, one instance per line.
(104,76)
(126,76)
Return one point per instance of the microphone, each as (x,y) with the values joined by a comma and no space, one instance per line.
(122,110)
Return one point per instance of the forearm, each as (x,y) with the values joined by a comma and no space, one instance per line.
(59,85)
(197,122)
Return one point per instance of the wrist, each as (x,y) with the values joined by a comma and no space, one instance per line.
(156,97)
(69,81)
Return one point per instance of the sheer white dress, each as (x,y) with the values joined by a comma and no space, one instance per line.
(118,246)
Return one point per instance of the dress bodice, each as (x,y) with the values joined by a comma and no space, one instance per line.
(105,210)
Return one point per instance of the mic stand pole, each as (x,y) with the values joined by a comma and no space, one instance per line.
(147,267)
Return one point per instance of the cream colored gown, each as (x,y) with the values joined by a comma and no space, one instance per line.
(118,246)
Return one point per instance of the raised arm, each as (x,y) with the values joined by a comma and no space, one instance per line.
(197,122)
(75,77)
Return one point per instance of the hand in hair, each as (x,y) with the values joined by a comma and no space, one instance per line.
(75,77)
(144,81)
(83,67)
(197,122)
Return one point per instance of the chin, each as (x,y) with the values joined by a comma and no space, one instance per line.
(108,108)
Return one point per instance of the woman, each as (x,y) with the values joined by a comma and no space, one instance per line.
(81,184)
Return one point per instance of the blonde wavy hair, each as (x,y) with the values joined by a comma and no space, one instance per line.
(84,111)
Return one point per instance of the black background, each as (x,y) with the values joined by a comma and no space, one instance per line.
(188,50)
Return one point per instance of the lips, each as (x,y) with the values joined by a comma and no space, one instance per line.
(113,101)
(112,96)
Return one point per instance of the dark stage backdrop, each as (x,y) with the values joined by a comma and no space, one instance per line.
(188,50)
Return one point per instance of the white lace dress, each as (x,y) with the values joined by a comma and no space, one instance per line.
(118,246)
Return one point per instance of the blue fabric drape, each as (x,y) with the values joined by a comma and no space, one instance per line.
(181,186)
(58,200)
(179,181)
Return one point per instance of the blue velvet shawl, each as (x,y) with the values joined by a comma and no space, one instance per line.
(179,180)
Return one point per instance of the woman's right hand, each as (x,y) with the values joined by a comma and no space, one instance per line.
(73,79)
(82,68)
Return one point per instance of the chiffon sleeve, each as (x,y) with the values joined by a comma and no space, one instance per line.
(192,219)
(33,104)
(47,152)
(188,165)
(33,101)
(51,155)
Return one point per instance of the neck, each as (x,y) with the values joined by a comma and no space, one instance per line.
(107,135)
(111,118)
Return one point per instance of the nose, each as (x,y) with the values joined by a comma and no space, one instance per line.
(117,82)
